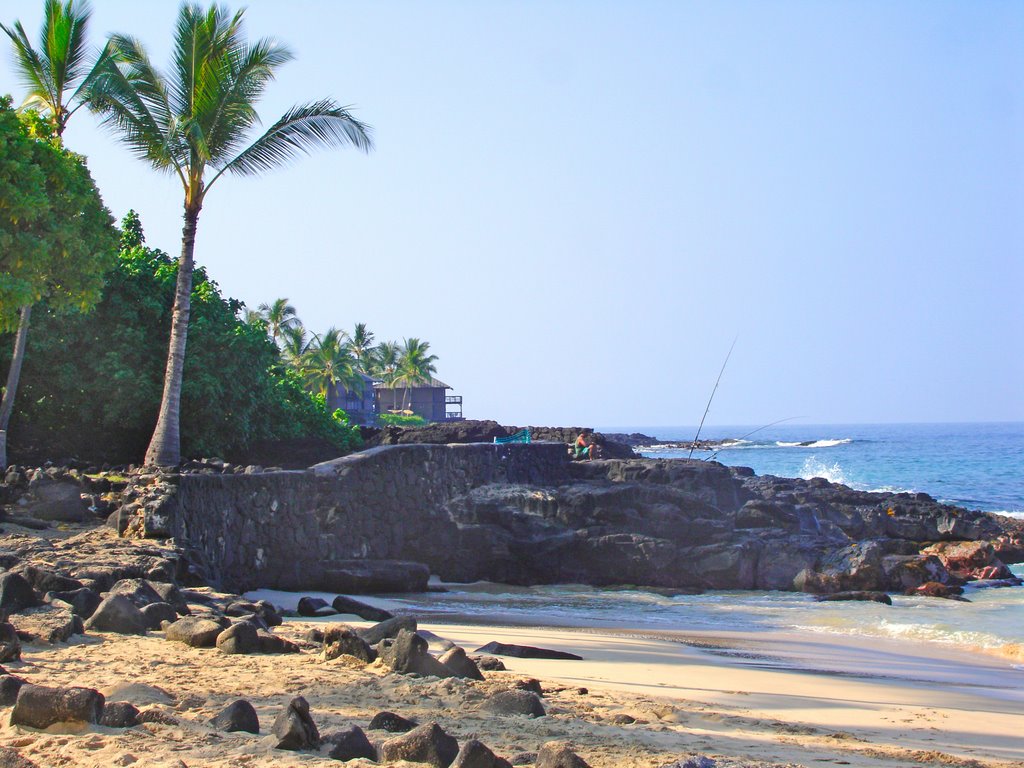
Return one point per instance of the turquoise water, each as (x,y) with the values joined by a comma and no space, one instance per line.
(978,466)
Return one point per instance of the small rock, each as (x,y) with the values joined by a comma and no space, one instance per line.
(408,654)
(43,581)
(514,703)
(489,663)
(458,662)
(390,722)
(239,715)
(555,754)
(10,644)
(351,744)
(426,744)
(157,613)
(48,624)
(16,594)
(120,714)
(387,628)
(864,595)
(83,602)
(526,652)
(341,639)
(344,604)
(10,758)
(239,638)
(194,631)
(117,614)
(475,754)
(294,728)
(38,706)
(139,591)
(271,643)
(9,687)
(315,606)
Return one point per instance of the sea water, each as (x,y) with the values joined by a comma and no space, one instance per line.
(978,466)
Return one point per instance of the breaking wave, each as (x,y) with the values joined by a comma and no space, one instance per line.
(814,443)
(831,472)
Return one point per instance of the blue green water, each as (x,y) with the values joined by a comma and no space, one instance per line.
(978,466)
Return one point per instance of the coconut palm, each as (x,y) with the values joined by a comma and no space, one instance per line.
(295,345)
(360,344)
(58,75)
(196,119)
(328,363)
(415,366)
(278,316)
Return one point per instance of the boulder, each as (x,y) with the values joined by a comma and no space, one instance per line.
(139,591)
(16,594)
(390,722)
(47,624)
(475,754)
(964,558)
(935,589)
(866,596)
(515,702)
(38,706)
(294,728)
(387,628)
(194,631)
(44,581)
(526,652)
(157,613)
(120,714)
(83,602)
(370,577)
(56,500)
(344,604)
(489,663)
(119,614)
(239,638)
(351,744)
(425,744)
(555,754)
(341,639)
(314,606)
(271,643)
(10,644)
(9,687)
(408,654)
(458,662)
(170,594)
(239,715)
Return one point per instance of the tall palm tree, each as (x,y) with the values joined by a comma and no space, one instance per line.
(360,344)
(196,119)
(328,363)
(61,63)
(295,345)
(415,366)
(278,316)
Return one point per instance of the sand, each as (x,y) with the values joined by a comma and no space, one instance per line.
(742,699)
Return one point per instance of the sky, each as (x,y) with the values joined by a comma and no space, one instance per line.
(581,205)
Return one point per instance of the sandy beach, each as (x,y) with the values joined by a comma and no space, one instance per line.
(741,699)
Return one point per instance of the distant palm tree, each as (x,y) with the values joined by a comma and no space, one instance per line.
(294,345)
(415,366)
(197,118)
(360,344)
(61,64)
(278,316)
(328,362)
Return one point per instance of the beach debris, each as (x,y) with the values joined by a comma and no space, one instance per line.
(350,744)
(9,687)
(863,595)
(157,613)
(194,631)
(294,728)
(476,754)
(16,594)
(119,714)
(315,606)
(241,637)
(514,702)
(117,614)
(341,639)
(239,715)
(425,744)
(408,654)
(343,604)
(39,706)
(556,754)
(525,652)
(48,624)
(387,628)
(390,722)
(457,661)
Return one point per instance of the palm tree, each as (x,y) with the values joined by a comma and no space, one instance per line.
(278,316)
(360,344)
(60,64)
(415,366)
(328,363)
(196,118)
(294,345)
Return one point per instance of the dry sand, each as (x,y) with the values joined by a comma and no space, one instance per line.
(736,698)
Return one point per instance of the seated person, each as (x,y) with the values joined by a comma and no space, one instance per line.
(582,447)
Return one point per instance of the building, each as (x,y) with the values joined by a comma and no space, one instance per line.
(361,407)
(430,400)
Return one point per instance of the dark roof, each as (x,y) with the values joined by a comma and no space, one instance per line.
(434,384)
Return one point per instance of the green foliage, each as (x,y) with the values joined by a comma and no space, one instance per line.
(92,385)
(401,420)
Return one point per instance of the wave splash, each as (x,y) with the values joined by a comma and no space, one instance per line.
(814,443)
(812,467)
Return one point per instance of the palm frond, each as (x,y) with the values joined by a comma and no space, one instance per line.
(33,69)
(301,130)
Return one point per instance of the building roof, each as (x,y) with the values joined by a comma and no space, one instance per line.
(434,384)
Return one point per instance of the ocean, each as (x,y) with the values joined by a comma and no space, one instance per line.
(979,466)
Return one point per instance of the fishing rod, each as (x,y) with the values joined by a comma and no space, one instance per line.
(744,437)
(701,426)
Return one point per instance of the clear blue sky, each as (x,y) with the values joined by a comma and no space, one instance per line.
(581,204)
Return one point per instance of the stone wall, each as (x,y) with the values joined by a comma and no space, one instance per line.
(284,529)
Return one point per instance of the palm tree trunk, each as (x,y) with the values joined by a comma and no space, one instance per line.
(13,375)
(165,447)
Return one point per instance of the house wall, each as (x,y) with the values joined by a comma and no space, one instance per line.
(427,402)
